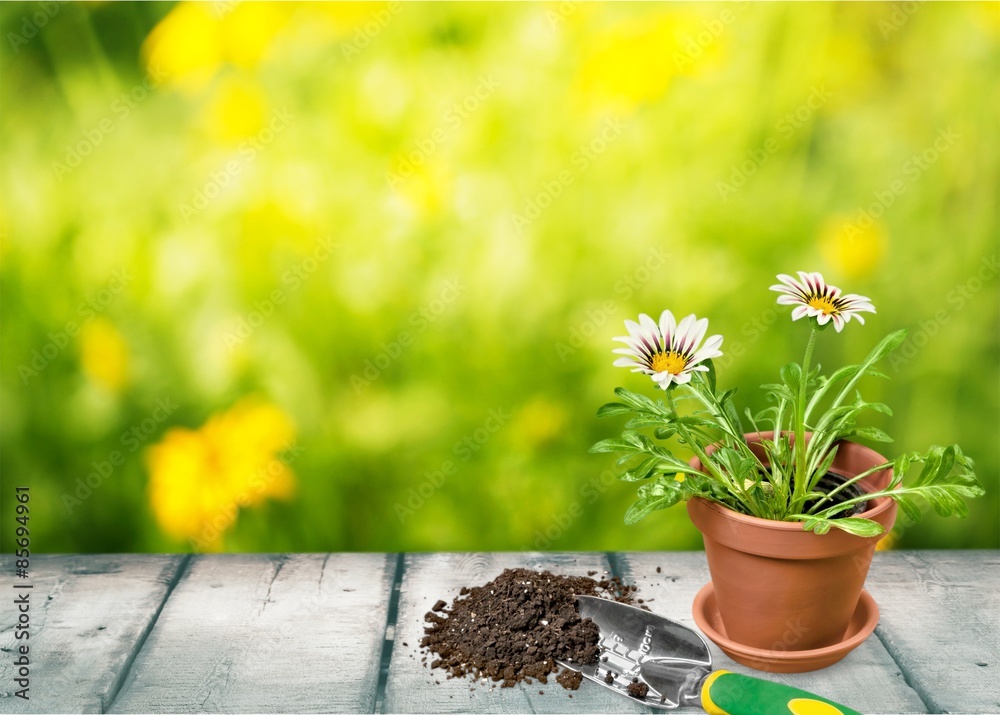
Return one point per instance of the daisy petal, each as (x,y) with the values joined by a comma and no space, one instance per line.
(668,326)
(683,329)
(626,362)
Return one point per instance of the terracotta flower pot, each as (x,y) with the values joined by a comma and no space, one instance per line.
(779,587)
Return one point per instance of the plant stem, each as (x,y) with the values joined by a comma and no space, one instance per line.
(800,418)
(715,408)
(693,444)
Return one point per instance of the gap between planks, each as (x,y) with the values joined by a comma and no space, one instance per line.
(925,697)
(389,638)
(141,641)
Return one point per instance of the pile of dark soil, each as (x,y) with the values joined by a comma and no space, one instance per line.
(517,626)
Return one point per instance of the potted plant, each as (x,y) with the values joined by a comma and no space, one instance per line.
(789,505)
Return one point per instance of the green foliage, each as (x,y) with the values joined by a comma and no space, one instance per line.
(652,218)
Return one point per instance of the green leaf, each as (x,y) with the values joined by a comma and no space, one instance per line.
(647,505)
(873,433)
(643,421)
(639,402)
(880,407)
(889,343)
(791,376)
(779,393)
(858,527)
(634,438)
(613,408)
(945,482)
(900,467)
(612,445)
(710,374)
(670,462)
(665,432)
(852,525)
(824,465)
(911,512)
(644,470)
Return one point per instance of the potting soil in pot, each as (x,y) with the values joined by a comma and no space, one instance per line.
(517,626)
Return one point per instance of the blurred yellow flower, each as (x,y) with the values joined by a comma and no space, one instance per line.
(887,542)
(185,47)
(189,45)
(237,110)
(631,64)
(854,248)
(339,19)
(104,354)
(539,422)
(200,479)
(248,31)
(636,60)
(988,16)
(424,189)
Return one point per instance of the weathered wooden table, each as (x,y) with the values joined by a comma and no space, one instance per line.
(339,633)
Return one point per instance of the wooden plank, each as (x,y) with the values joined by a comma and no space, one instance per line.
(266,633)
(89,616)
(941,621)
(411,688)
(868,679)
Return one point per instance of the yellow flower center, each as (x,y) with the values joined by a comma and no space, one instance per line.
(821,302)
(672,362)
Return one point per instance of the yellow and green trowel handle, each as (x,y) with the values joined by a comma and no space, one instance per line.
(725,693)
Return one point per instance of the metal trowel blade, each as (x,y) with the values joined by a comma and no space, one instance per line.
(670,658)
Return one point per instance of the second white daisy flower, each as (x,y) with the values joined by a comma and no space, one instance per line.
(814,297)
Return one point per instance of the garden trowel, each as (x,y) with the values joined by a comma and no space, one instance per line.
(639,648)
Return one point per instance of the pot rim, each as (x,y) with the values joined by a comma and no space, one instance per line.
(882,504)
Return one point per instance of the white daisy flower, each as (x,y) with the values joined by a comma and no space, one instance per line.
(813,297)
(668,352)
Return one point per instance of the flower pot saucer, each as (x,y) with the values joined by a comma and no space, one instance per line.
(706,614)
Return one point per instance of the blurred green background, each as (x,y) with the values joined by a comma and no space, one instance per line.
(345,276)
